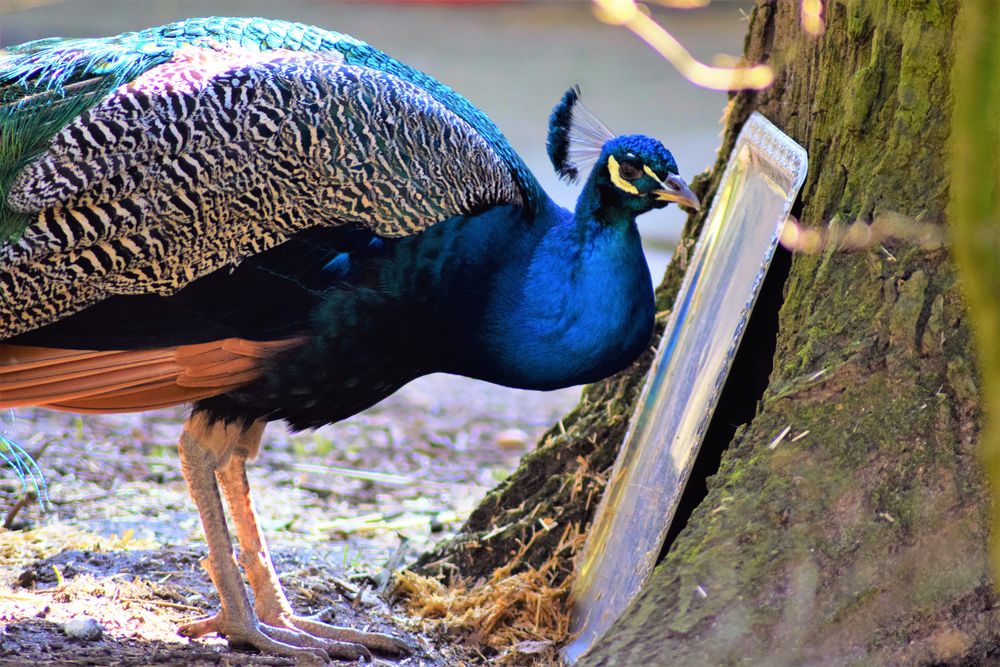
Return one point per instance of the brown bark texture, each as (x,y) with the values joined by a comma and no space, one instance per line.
(864,541)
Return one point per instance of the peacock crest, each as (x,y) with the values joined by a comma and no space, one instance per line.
(576,136)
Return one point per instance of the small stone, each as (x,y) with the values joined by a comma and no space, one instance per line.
(84,627)
(512,438)
(26,579)
(530,647)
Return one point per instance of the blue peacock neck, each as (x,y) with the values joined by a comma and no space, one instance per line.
(572,304)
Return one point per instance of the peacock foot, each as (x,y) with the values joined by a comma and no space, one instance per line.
(376,642)
(278,640)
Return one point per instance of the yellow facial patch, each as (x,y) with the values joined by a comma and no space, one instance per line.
(616,177)
(652,174)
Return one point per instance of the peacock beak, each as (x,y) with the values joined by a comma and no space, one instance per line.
(676,190)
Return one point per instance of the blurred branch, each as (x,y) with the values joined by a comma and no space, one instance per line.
(636,18)
(683,4)
(861,235)
(812,16)
(975,211)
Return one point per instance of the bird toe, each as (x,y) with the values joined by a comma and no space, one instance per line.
(376,642)
(346,651)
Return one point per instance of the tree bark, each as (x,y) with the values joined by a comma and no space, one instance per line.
(865,541)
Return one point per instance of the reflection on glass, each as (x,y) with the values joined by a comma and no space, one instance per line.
(763,176)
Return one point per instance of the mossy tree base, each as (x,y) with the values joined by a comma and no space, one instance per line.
(864,541)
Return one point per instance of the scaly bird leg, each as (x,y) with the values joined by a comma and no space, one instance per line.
(269,599)
(201,446)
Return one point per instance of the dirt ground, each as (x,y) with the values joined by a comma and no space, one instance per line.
(122,542)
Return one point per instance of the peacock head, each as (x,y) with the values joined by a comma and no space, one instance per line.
(632,171)
(641,173)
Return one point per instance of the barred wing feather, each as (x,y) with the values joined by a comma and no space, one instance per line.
(221,153)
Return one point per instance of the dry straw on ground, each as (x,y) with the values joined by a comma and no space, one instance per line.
(518,612)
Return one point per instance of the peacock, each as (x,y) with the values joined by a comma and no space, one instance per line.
(270,221)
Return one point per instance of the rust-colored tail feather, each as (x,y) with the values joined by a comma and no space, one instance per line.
(129,380)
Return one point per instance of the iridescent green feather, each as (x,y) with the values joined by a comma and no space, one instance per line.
(43,86)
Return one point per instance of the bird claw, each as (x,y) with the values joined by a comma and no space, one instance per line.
(297,643)
(374,641)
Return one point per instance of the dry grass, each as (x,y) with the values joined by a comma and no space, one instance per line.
(518,613)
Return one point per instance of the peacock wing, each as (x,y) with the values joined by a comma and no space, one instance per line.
(222,152)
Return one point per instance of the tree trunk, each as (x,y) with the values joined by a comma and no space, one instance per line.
(864,541)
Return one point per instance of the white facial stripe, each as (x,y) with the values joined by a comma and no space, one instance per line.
(616,177)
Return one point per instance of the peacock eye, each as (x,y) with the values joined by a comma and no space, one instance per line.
(630,170)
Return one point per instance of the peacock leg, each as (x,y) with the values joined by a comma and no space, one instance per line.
(199,448)
(269,598)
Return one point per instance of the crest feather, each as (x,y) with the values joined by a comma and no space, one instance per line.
(576,136)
